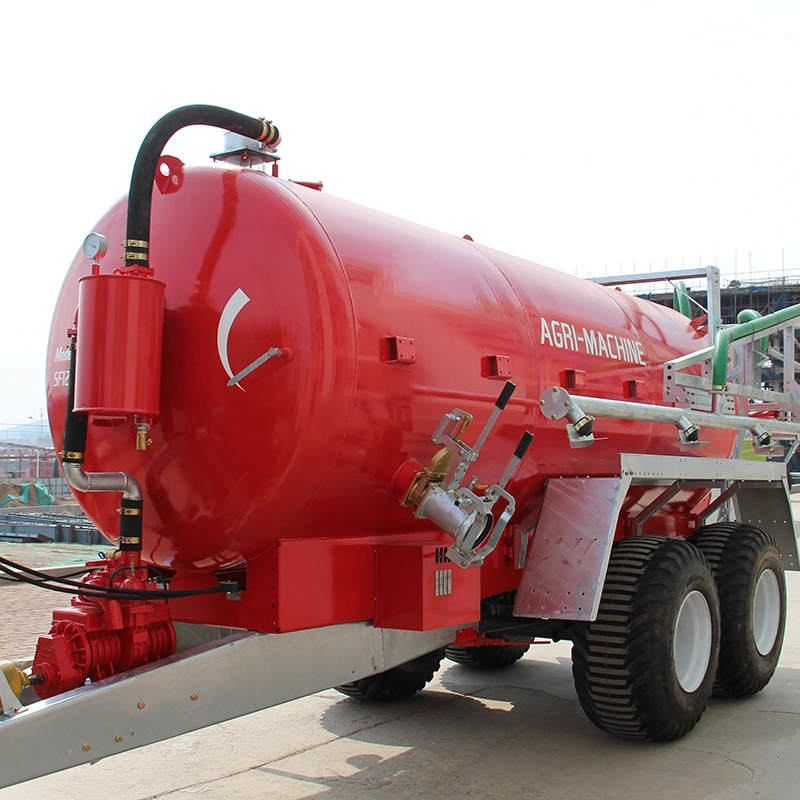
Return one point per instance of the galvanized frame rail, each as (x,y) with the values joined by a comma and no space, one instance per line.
(238,675)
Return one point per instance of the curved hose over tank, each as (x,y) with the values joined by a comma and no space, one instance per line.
(136,262)
(144,169)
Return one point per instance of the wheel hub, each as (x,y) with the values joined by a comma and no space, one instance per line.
(691,647)
(766,612)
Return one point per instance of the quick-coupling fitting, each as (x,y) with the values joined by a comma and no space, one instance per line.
(583,423)
(687,431)
(441,509)
(761,438)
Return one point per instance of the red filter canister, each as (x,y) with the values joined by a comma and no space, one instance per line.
(120,325)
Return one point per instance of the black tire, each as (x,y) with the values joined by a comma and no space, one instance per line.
(397,683)
(490,656)
(629,677)
(747,567)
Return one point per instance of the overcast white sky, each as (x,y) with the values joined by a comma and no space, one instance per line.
(582,135)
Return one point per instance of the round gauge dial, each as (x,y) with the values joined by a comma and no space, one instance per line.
(95,246)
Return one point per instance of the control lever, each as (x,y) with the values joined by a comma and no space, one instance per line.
(458,421)
(467,517)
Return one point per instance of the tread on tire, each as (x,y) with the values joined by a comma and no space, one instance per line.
(624,663)
(397,683)
(488,656)
(739,554)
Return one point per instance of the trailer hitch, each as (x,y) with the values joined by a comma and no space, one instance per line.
(436,493)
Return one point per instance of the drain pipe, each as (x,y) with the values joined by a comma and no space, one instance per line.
(72,456)
(102,481)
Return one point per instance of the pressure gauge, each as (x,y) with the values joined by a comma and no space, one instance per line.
(95,246)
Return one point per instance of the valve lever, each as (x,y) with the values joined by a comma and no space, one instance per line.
(466,454)
(467,517)
(501,403)
(519,454)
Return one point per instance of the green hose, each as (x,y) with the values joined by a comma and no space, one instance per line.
(748,315)
(728,336)
(680,299)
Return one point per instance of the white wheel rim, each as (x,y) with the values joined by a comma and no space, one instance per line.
(691,645)
(766,612)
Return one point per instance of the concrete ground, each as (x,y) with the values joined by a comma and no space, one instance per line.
(515,733)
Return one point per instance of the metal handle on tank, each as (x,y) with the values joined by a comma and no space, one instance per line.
(436,495)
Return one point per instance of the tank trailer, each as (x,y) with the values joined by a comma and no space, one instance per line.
(310,427)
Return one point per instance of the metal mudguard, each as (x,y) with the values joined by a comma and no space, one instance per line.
(566,566)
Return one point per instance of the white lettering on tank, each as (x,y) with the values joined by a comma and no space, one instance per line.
(569,341)
(558,339)
(626,349)
(604,344)
(590,341)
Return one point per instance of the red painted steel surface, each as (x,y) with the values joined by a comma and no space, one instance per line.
(310,583)
(119,327)
(418,589)
(306,444)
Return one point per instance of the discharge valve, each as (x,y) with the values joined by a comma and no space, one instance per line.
(436,492)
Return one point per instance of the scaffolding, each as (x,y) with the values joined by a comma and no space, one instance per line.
(763,296)
(24,462)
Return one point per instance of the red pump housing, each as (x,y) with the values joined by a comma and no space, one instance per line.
(96,638)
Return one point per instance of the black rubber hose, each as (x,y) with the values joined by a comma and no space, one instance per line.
(75,425)
(130,525)
(144,170)
(22,574)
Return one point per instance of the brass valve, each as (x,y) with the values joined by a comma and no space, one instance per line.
(435,472)
(435,492)
(142,441)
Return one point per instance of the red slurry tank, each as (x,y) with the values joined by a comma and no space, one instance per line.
(265,374)
(383,325)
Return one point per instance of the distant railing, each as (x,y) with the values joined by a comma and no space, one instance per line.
(730,281)
(46,524)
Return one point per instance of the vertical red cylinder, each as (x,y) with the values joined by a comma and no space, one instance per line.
(120,325)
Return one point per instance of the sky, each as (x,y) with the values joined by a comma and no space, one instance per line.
(593,137)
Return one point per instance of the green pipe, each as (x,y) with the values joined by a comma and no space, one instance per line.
(680,299)
(728,336)
(748,315)
(686,306)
